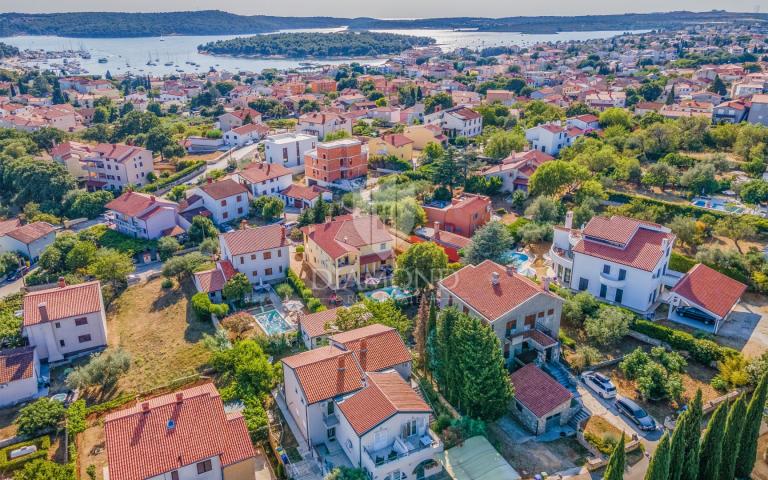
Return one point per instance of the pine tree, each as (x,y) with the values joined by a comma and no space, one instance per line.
(711,445)
(718,86)
(444,359)
(677,448)
(671,96)
(752,421)
(429,351)
(692,439)
(658,469)
(732,439)
(615,468)
(421,331)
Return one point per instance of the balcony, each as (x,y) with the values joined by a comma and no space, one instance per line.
(612,281)
(561,256)
(415,449)
(330,419)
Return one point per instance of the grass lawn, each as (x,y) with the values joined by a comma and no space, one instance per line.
(600,433)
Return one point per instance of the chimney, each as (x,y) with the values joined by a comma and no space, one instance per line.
(363,353)
(179,397)
(569,219)
(340,373)
(209,180)
(282,232)
(62,282)
(243,224)
(494,278)
(664,244)
(145,407)
(43,309)
(152,198)
(510,269)
(437,231)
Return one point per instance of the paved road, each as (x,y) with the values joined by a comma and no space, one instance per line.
(9,288)
(221,164)
(606,409)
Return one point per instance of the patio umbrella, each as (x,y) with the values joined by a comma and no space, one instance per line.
(372,281)
(293,306)
(380,296)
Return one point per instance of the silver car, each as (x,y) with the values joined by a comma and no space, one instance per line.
(601,384)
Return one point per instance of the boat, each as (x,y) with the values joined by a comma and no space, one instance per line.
(103,60)
(168,64)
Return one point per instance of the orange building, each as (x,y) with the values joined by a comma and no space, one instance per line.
(323,85)
(343,159)
(463,215)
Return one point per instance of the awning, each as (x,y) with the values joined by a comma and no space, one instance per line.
(375,257)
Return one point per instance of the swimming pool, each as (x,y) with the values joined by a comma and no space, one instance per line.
(719,205)
(515,258)
(387,293)
(272,322)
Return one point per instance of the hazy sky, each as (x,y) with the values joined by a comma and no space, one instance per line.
(389,8)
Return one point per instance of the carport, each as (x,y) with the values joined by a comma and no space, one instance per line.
(476,459)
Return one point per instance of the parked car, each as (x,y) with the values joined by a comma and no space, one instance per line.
(695,314)
(601,384)
(635,413)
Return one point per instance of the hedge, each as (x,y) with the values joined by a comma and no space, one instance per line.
(76,417)
(167,181)
(7,466)
(680,263)
(204,307)
(313,304)
(116,402)
(701,350)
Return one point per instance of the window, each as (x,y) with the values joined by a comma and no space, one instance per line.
(81,321)
(267,255)
(203,467)
(61,343)
(239,210)
(510,327)
(331,432)
(619,295)
(84,338)
(622,274)
(551,311)
(530,321)
(267,271)
(583,283)
(242,260)
(58,324)
(175,475)
(465,309)
(279,253)
(603,291)
(225,215)
(409,428)
(253,256)
(239,198)
(224,203)
(607,269)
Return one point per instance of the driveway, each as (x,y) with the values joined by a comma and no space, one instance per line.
(747,328)
(222,162)
(9,288)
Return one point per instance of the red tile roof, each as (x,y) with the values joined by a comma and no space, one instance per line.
(397,140)
(16,364)
(117,151)
(131,204)
(314,323)
(303,192)
(710,289)
(213,280)
(325,372)
(8,225)
(385,395)
(473,285)
(141,445)
(223,189)
(31,232)
(540,337)
(383,347)
(642,247)
(62,302)
(249,240)
(537,391)
(347,234)
(260,172)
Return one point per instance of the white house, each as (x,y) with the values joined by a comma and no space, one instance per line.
(617,259)
(226,199)
(64,320)
(238,118)
(552,137)
(516,170)
(301,196)
(115,166)
(586,122)
(320,124)
(259,253)
(288,150)
(457,121)
(246,134)
(19,375)
(29,240)
(265,178)
(145,216)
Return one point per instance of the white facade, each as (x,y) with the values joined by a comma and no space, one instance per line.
(31,250)
(549,138)
(189,472)
(272,186)
(260,266)
(288,150)
(17,391)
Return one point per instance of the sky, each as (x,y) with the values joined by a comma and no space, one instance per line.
(389,8)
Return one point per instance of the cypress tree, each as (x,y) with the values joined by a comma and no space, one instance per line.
(748,448)
(692,439)
(732,440)
(615,468)
(420,332)
(711,445)
(677,448)
(658,469)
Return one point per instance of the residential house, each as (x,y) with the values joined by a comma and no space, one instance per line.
(396,144)
(72,155)
(451,243)
(516,170)
(212,281)
(609,255)
(246,134)
(238,118)
(462,215)
(423,135)
(604,100)
(523,314)
(733,111)
(265,178)
(504,97)
(320,124)
(552,137)
(758,111)
(586,122)
(183,435)
(346,249)
(301,196)
(540,401)
(457,121)
(141,215)
(19,375)
(288,150)
(315,328)
(226,199)
(708,291)
(335,162)
(260,253)
(65,319)
(115,166)
(28,240)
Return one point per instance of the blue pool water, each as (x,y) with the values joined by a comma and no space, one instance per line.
(395,293)
(272,323)
(700,203)
(515,258)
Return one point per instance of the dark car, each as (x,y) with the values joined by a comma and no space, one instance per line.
(635,413)
(695,314)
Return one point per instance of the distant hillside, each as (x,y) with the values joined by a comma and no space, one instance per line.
(215,22)
(317,45)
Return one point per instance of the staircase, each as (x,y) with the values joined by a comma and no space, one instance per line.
(578,418)
(557,371)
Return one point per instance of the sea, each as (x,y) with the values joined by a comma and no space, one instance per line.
(174,54)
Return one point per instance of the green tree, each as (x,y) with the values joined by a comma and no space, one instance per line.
(167,247)
(158,138)
(346,473)
(421,266)
(718,86)
(320,211)
(658,468)
(612,117)
(432,152)
(202,228)
(735,228)
(237,288)
(752,421)
(700,179)
(554,177)
(491,242)
(616,463)
(609,326)
(440,101)
(446,171)
(103,369)
(41,416)
(268,207)
(711,445)
(111,266)
(692,439)
(732,438)
(677,448)
(543,209)
(183,266)
(80,256)
(686,230)
(256,419)
(500,144)
(420,330)
(42,469)
(245,371)
(659,175)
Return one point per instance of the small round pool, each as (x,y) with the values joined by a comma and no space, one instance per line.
(515,258)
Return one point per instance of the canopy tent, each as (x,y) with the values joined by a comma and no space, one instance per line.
(476,459)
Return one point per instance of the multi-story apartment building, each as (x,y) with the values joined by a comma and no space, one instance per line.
(116,166)
(339,160)
(617,259)
(463,215)
(259,253)
(288,150)
(321,124)
(343,251)
(64,320)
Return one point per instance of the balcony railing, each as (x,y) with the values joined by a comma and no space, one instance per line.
(411,445)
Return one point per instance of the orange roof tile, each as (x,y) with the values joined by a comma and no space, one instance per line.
(16,364)
(62,302)
(325,372)
(383,347)
(249,240)
(537,391)
(314,323)
(710,289)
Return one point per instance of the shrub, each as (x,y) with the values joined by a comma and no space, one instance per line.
(703,351)
(584,357)
(76,417)
(167,181)
(680,263)
(609,326)
(41,416)
(167,283)
(566,340)
(204,307)
(103,369)
(312,303)
(8,466)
